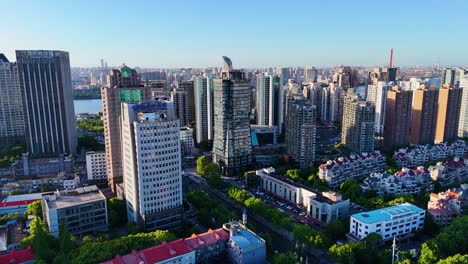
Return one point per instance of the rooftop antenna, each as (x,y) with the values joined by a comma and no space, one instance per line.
(391,58)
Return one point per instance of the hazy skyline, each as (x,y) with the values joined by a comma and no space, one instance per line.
(173,34)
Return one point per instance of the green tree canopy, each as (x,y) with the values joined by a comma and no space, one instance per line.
(450,241)
(34,208)
(202,162)
(117,212)
(335,230)
(212,173)
(285,258)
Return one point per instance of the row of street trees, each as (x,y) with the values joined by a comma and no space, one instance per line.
(257,206)
(210,171)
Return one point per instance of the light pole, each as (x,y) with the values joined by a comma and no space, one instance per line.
(393,250)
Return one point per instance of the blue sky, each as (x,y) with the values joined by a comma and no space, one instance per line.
(255,33)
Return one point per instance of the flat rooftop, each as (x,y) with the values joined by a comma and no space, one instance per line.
(388,213)
(245,239)
(24,197)
(79,196)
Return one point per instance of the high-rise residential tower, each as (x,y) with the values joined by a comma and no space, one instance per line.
(398,120)
(11,105)
(204,108)
(377,94)
(424,115)
(357,129)
(124,87)
(188,87)
(152,164)
(179,98)
(300,129)
(310,74)
(232,146)
(463,123)
(448,113)
(46,91)
(269,100)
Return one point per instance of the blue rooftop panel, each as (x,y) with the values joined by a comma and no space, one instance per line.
(388,213)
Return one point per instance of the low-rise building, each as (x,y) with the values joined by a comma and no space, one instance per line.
(335,172)
(209,245)
(25,256)
(186,140)
(11,235)
(323,207)
(82,211)
(405,181)
(18,203)
(96,168)
(40,166)
(244,246)
(234,240)
(394,221)
(452,171)
(176,251)
(445,205)
(419,154)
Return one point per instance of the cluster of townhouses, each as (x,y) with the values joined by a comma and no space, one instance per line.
(402,182)
(445,205)
(418,155)
(449,172)
(334,172)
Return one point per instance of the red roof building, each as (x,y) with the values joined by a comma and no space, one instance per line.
(25,256)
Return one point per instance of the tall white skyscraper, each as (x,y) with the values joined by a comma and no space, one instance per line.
(204,111)
(152,164)
(46,89)
(463,123)
(11,105)
(269,100)
(377,95)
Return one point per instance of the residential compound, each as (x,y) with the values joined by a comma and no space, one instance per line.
(152,164)
(394,221)
(334,172)
(204,108)
(377,95)
(357,126)
(234,240)
(445,205)
(11,106)
(424,116)
(418,155)
(81,211)
(269,100)
(448,113)
(449,172)
(300,130)
(322,207)
(406,181)
(232,146)
(398,120)
(123,86)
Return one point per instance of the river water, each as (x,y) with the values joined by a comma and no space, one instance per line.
(91,106)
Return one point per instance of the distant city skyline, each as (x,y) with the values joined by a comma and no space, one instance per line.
(175,34)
